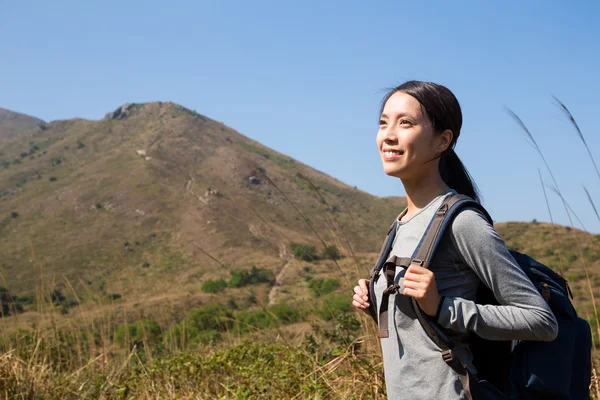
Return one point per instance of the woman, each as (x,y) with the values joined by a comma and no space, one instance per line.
(419,125)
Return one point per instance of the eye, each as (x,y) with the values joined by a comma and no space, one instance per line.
(382,122)
(405,122)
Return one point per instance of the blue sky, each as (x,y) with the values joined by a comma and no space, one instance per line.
(306,79)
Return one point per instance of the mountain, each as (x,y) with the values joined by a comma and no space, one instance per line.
(154,200)
(155,193)
(13,123)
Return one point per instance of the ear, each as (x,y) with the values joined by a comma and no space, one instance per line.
(444,140)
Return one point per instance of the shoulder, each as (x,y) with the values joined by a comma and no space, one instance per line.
(470,224)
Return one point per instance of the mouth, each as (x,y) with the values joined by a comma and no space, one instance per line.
(390,154)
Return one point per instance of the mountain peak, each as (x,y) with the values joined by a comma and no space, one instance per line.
(129,110)
(6,115)
(13,123)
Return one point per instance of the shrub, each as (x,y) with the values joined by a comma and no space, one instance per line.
(304,252)
(57,297)
(213,317)
(333,305)
(331,253)
(202,325)
(14,214)
(26,299)
(128,335)
(245,321)
(61,301)
(231,304)
(52,179)
(320,286)
(7,302)
(251,299)
(286,314)
(238,278)
(255,275)
(214,286)
(345,329)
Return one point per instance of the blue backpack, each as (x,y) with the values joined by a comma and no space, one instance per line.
(523,370)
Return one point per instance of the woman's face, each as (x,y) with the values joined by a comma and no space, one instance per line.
(406,139)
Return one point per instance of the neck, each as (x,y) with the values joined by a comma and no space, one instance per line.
(420,191)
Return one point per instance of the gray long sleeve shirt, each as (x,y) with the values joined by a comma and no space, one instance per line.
(470,252)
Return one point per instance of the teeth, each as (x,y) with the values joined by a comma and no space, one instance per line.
(391,153)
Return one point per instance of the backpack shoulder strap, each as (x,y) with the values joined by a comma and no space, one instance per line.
(442,219)
(424,254)
(385,250)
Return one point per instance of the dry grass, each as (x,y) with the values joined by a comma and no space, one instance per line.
(99,349)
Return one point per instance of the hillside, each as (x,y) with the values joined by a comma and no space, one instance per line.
(13,123)
(154,200)
(155,193)
(157,244)
(567,251)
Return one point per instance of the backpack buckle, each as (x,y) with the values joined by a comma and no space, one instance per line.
(391,289)
(443,210)
(420,263)
(447,356)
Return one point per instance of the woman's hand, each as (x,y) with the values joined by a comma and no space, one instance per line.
(361,295)
(419,283)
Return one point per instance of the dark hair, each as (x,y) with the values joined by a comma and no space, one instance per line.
(443,110)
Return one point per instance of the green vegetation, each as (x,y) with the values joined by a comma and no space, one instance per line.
(333,306)
(281,161)
(321,286)
(144,332)
(116,213)
(304,252)
(331,253)
(8,304)
(255,275)
(214,286)
(63,303)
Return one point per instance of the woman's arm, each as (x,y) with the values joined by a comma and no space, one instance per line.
(522,314)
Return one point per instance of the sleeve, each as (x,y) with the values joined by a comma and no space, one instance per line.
(522,314)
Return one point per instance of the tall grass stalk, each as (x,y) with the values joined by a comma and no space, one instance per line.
(579,133)
(533,143)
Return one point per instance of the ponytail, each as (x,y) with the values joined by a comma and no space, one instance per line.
(456,176)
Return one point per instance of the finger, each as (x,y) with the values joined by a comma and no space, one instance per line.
(412,277)
(410,284)
(415,269)
(364,284)
(360,306)
(360,298)
(417,294)
(358,302)
(415,285)
(359,292)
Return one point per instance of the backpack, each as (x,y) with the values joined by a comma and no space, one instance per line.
(560,369)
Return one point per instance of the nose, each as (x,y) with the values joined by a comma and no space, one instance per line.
(390,134)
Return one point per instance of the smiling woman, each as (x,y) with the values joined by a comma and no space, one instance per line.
(419,125)
(417,129)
